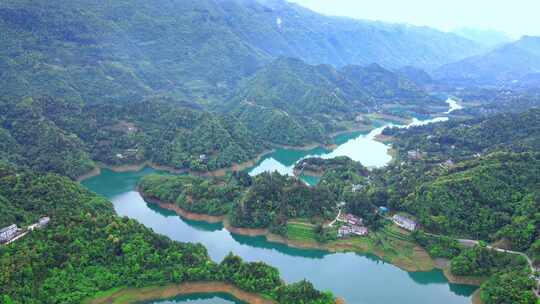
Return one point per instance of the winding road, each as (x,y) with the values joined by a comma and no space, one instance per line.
(472,243)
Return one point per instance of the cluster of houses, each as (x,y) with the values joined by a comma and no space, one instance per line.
(12,232)
(352,226)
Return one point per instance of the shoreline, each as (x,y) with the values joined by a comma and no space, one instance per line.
(136,295)
(330,248)
(218,172)
(152,293)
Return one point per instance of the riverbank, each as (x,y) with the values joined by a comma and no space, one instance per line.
(136,295)
(127,168)
(221,172)
(404,255)
(444,265)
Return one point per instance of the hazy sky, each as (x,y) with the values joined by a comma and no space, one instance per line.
(515,17)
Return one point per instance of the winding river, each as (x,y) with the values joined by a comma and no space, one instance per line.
(359,279)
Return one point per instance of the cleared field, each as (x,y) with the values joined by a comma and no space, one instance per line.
(301,231)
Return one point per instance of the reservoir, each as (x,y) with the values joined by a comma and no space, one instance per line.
(359,279)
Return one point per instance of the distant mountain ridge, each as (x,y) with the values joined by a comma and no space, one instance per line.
(508,63)
(488,38)
(125,51)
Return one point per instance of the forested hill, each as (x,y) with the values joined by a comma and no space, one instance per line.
(124,51)
(465,139)
(512,62)
(87,249)
(280,28)
(290,102)
(55,135)
(490,198)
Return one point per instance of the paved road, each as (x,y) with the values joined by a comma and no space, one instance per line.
(337,216)
(472,243)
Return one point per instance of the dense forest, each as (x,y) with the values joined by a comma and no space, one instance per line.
(495,197)
(321,166)
(214,196)
(86,248)
(196,51)
(126,51)
(55,135)
(200,85)
(291,102)
(465,139)
(267,200)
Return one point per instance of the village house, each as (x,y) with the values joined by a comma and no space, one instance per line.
(345,231)
(40,224)
(9,233)
(350,219)
(44,221)
(404,222)
(352,226)
(359,230)
(356,187)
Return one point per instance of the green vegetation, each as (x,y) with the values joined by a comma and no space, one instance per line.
(267,200)
(127,81)
(460,140)
(213,196)
(54,135)
(87,250)
(438,246)
(342,166)
(509,275)
(508,287)
(494,197)
(489,191)
(273,199)
(290,102)
(126,51)
(303,231)
(481,261)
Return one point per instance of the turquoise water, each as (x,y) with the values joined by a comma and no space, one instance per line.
(359,279)
(212,298)
(359,146)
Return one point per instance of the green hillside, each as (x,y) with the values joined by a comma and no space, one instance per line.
(124,51)
(86,250)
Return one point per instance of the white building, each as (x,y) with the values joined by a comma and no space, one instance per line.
(44,221)
(359,230)
(404,222)
(356,187)
(8,233)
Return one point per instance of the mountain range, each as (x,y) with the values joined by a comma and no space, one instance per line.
(508,63)
(125,51)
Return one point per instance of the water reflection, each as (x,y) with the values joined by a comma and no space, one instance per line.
(210,298)
(262,242)
(360,279)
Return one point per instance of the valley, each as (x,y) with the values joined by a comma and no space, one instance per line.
(266,151)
